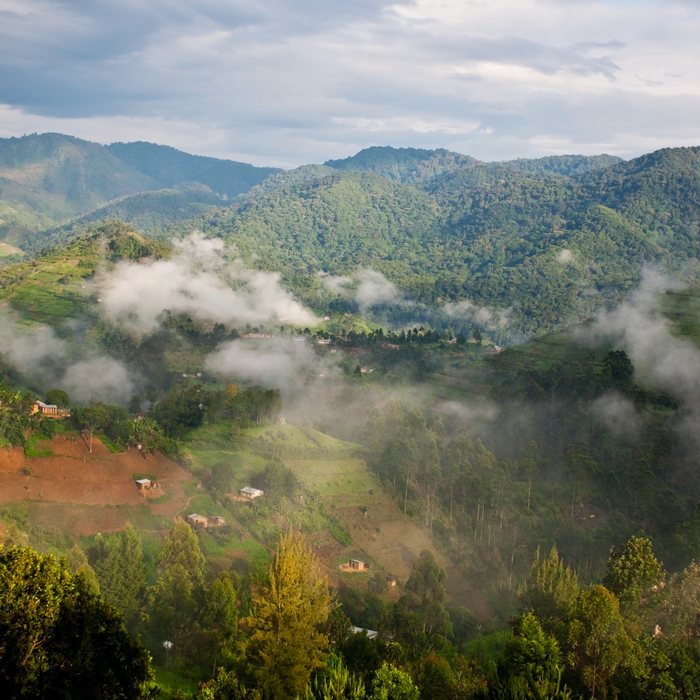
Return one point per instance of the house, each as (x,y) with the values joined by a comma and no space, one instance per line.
(144,484)
(357,565)
(371,634)
(391,581)
(205,521)
(49,409)
(251,493)
(197,520)
(257,336)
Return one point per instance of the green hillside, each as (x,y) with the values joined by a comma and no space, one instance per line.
(170,167)
(548,247)
(48,179)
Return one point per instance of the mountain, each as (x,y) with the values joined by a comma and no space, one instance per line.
(547,247)
(170,167)
(410,165)
(48,179)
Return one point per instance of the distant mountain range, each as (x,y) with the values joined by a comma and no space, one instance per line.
(49,179)
(542,242)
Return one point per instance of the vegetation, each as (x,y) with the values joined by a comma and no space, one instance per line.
(506,510)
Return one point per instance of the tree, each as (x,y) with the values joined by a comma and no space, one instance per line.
(59,639)
(531,664)
(391,683)
(596,638)
(79,566)
(632,572)
(57,397)
(420,619)
(680,609)
(176,598)
(618,368)
(121,571)
(550,589)
(335,682)
(285,645)
(226,686)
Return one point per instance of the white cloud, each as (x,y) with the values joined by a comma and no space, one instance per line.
(286,83)
(198,281)
(565,257)
(661,359)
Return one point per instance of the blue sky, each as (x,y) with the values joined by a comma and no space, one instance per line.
(284,82)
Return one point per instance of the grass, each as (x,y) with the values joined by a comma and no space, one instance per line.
(36,447)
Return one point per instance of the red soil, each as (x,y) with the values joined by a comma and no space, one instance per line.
(77,488)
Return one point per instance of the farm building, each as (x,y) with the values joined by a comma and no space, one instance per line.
(357,565)
(144,484)
(251,493)
(50,410)
(205,521)
(391,581)
(371,634)
(197,520)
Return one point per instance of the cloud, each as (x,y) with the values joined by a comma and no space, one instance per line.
(283,83)
(198,281)
(465,310)
(660,359)
(565,257)
(369,288)
(98,379)
(373,289)
(618,414)
(45,360)
(282,363)
(336,284)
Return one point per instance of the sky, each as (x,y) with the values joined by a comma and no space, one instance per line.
(286,82)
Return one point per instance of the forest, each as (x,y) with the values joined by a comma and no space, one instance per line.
(466,394)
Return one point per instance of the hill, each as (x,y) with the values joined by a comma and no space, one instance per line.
(47,179)
(170,167)
(544,246)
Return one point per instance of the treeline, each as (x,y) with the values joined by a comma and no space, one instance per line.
(182,409)
(552,248)
(284,634)
(536,455)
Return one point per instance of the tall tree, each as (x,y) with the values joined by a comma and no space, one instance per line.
(179,591)
(122,572)
(285,643)
(633,571)
(550,589)
(597,641)
(59,639)
(531,665)
(420,620)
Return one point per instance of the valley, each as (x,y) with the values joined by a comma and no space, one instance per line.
(435,370)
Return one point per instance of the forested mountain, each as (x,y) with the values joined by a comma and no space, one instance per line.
(548,247)
(47,179)
(543,242)
(445,465)
(170,167)
(411,165)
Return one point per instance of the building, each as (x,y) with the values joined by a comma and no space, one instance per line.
(144,484)
(371,634)
(49,409)
(251,493)
(197,520)
(357,565)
